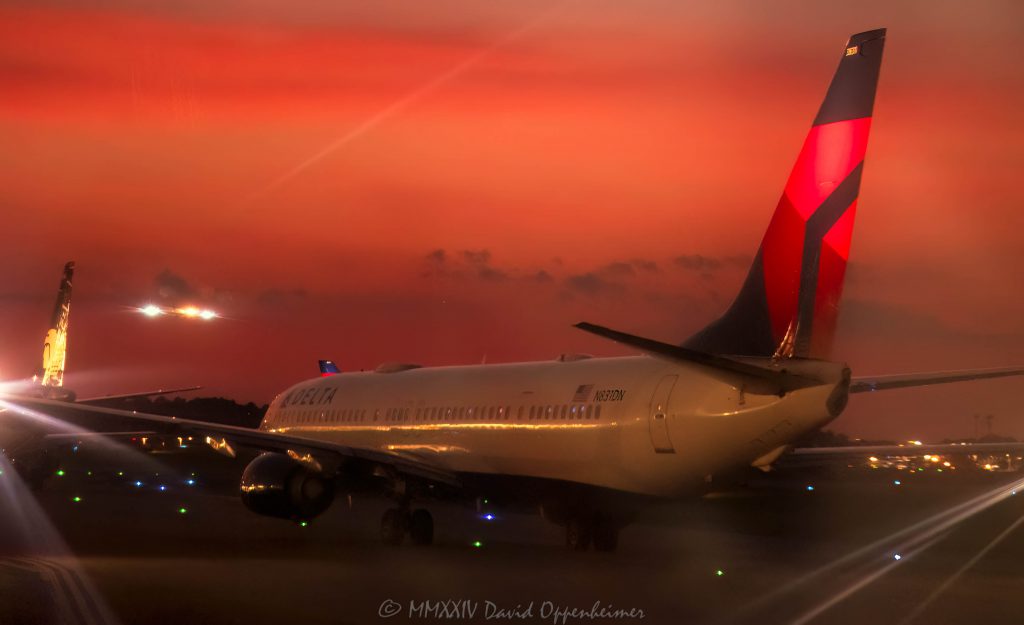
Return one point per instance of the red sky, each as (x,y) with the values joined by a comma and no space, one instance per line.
(299,165)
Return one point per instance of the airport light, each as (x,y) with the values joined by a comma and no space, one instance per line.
(151,310)
(897,557)
(60,472)
(810,488)
(76,499)
(719,573)
(897,482)
(182,510)
(477,544)
(207,314)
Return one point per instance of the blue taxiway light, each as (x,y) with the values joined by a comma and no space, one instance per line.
(810,488)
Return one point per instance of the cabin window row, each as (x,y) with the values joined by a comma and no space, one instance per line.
(545,412)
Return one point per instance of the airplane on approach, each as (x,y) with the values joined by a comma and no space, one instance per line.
(589,439)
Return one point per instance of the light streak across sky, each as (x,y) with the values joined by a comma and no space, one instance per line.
(398,105)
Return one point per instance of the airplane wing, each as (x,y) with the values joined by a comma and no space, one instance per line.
(330,455)
(887,382)
(102,398)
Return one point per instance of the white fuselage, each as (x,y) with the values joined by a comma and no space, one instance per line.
(635,424)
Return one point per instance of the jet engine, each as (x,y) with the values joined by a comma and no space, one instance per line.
(276,485)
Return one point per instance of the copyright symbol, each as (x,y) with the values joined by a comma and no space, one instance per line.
(389,608)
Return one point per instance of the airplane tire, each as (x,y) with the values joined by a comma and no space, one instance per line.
(393,526)
(421,527)
(578,533)
(606,536)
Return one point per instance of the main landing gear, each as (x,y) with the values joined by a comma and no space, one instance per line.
(397,522)
(583,530)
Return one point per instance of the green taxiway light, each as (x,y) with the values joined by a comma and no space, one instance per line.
(304,524)
(182,510)
(60,472)
(477,544)
(76,499)
(719,572)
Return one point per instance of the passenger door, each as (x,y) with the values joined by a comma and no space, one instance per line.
(658,415)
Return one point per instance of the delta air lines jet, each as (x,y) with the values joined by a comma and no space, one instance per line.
(587,439)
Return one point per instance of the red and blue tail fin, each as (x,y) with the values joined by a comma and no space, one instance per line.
(789,303)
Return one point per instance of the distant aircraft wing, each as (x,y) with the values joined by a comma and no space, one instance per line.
(331,455)
(96,400)
(887,382)
(829,456)
(909,449)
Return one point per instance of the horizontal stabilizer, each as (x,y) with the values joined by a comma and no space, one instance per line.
(780,380)
(887,382)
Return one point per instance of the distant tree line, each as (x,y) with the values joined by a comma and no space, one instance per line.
(212,409)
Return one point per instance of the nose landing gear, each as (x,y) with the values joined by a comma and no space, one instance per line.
(585,529)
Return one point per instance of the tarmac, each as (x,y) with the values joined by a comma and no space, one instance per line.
(163,538)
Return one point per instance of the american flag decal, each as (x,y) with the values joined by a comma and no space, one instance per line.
(583,392)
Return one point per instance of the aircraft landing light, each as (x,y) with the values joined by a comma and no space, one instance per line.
(188,312)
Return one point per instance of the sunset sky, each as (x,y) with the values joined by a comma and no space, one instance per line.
(452,181)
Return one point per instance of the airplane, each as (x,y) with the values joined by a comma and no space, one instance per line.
(590,440)
(30,448)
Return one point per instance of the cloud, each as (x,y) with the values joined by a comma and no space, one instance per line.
(611,278)
(592,284)
(474,264)
(173,287)
(708,264)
